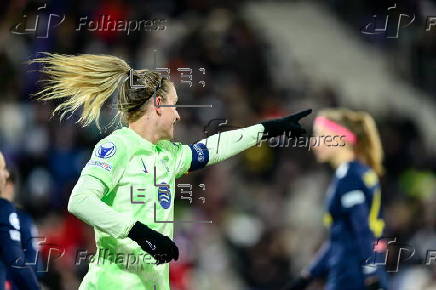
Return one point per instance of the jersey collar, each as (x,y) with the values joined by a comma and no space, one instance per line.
(145,143)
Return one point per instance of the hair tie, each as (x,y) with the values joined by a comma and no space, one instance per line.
(350,137)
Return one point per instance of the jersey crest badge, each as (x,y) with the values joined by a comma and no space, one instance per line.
(164,196)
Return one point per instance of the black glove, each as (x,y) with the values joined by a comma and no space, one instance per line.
(300,283)
(160,247)
(286,125)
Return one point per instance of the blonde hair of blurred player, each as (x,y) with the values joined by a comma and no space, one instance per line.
(367,149)
(89,80)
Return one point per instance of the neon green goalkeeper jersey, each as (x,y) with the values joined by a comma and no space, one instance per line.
(129,179)
(140,180)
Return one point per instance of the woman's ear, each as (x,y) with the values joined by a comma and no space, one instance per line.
(157,103)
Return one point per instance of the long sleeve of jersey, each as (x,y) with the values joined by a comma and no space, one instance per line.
(11,253)
(218,147)
(358,215)
(29,234)
(354,204)
(215,148)
(85,203)
(319,266)
(227,144)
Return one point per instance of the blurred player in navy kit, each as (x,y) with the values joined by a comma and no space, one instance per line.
(28,230)
(353,203)
(12,257)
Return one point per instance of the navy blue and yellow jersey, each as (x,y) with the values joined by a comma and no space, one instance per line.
(354,219)
(12,257)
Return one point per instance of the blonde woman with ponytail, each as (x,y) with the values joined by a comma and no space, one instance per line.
(126,191)
(353,202)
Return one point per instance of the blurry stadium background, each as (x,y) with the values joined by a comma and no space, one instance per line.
(261,59)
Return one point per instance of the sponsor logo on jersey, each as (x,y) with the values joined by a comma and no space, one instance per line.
(143,166)
(164,196)
(106,150)
(101,164)
(15,223)
(352,198)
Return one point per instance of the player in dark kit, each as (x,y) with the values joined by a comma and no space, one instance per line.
(28,230)
(353,203)
(12,258)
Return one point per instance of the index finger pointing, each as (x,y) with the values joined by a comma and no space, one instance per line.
(302,114)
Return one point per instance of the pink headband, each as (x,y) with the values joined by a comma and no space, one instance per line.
(350,137)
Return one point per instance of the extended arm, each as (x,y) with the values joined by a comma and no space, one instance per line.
(227,144)
(221,146)
(85,203)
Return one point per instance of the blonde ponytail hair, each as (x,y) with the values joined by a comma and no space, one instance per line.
(368,147)
(89,80)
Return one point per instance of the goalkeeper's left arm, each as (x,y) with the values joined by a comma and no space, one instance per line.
(221,146)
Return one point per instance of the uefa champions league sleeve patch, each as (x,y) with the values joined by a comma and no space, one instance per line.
(106,150)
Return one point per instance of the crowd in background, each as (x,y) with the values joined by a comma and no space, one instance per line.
(266,216)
